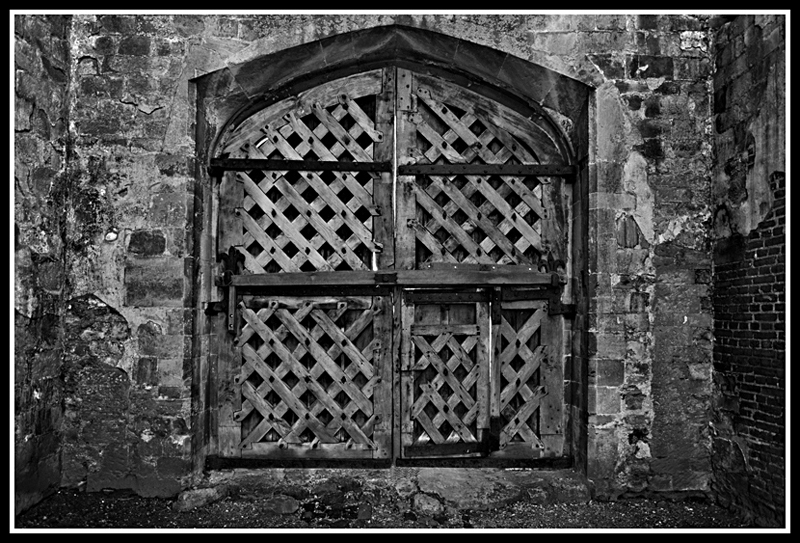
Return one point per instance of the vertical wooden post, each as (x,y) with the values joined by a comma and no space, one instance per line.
(382,363)
(484,357)
(406,375)
(228,401)
(406,141)
(552,372)
(496,312)
(383,188)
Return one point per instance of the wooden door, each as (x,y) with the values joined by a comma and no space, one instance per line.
(390,299)
(482,368)
(306,371)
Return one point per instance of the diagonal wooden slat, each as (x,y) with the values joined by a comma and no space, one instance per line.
(343,343)
(441,367)
(287,395)
(452,227)
(460,357)
(317,205)
(487,208)
(290,398)
(430,428)
(358,115)
(267,423)
(352,390)
(440,146)
(356,86)
(322,228)
(457,126)
(446,411)
(340,134)
(319,148)
(504,208)
(498,238)
(301,185)
(351,332)
(259,235)
(521,377)
(346,209)
(525,194)
(288,227)
(520,418)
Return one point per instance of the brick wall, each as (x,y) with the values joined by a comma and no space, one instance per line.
(750,366)
(749,269)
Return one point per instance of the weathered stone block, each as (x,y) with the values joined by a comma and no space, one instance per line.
(607,372)
(633,397)
(604,400)
(647,22)
(146,372)
(155,282)
(645,66)
(607,345)
(170,372)
(168,208)
(609,65)
(152,342)
(147,243)
(137,45)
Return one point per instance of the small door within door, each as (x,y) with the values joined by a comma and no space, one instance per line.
(480,375)
(445,373)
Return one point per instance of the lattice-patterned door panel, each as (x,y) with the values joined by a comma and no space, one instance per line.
(329,212)
(306,190)
(444,373)
(313,377)
(464,215)
(528,391)
(307,221)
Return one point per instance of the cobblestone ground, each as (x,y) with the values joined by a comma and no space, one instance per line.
(354,508)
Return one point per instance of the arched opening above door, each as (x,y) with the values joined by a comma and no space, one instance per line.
(238,91)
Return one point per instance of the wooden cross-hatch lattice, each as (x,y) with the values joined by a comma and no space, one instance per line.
(347,268)
(308,373)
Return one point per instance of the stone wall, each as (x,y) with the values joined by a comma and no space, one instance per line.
(128,404)
(641,376)
(41,146)
(749,264)
(649,313)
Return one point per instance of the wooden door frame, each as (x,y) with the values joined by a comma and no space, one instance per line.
(499,94)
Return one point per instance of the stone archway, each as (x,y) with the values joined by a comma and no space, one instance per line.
(514,84)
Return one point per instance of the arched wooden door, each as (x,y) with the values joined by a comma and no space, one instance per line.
(395,247)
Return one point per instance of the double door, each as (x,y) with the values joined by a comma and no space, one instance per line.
(393,260)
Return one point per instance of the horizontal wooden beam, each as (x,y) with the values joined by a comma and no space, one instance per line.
(439,329)
(305,279)
(445,449)
(488,169)
(507,275)
(220,165)
(322,450)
